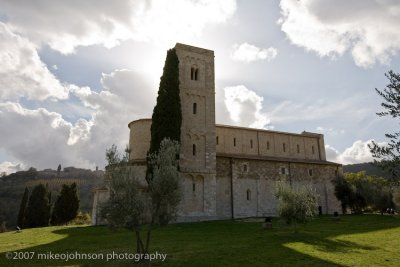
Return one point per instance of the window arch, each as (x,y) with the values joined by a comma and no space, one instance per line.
(245,167)
(194,73)
(248,194)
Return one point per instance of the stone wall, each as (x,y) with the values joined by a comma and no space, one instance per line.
(198,109)
(197,154)
(139,139)
(100,195)
(247,141)
(252,183)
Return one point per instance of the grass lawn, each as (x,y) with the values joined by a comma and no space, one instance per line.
(356,240)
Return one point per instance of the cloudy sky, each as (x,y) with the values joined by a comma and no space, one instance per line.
(73,73)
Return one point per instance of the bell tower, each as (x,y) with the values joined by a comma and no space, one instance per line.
(198,144)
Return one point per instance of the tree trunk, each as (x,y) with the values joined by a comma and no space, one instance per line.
(148,238)
(139,243)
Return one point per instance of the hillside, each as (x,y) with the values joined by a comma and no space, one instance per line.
(12,188)
(369,168)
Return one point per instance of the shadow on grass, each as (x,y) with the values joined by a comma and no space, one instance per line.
(220,243)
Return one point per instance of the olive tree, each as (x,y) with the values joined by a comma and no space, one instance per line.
(297,205)
(139,208)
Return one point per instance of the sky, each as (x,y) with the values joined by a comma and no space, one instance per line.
(73,74)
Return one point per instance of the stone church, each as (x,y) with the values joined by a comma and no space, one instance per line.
(228,171)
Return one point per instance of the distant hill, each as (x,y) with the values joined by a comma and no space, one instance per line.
(369,168)
(12,187)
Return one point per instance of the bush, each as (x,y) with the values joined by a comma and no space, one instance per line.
(81,219)
(297,205)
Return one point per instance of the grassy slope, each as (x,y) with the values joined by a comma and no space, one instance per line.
(367,240)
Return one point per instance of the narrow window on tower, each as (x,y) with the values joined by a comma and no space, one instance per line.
(248,194)
(194,187)
(267,145)
(194,150)
(298,148)
(245,168)
(217,140)
(194,108)
(192,70)
(310,172)
(313,150)
(234,141)
(194,73)
(284,147)
(251,143)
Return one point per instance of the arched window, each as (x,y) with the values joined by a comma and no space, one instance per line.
(248,194)
(245,168)
(194,108)
(194,150)
(194,73)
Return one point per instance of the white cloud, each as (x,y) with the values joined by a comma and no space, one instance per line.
(244,107)
(64,25)
(43,139)
(126,96)
(10,167)
(37,137)
(369,29)
(358,152)
(22,73)
(249,53)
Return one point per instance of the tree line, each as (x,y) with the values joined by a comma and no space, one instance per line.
(360,192)
(36,209)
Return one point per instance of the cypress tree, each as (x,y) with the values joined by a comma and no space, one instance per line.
(66,206)
(22,208)
(167,114)
(38,209)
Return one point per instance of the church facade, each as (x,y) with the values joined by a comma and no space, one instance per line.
(228,171)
